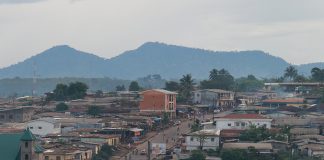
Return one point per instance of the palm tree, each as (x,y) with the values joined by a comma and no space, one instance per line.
(213,74)
(186,86)
(316,73)
(291,73)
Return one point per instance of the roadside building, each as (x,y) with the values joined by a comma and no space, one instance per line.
(16,114)
(214,98)
(44,126)
(262,148)
(230,135)
(276,103)
(111,140)
(70,153)
(242,121)
(158,100)
(207,139)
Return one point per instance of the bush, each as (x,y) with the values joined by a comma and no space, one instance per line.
(61,107)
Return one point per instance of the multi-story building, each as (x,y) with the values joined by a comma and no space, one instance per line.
(214,98)
(16,114)
(158,100)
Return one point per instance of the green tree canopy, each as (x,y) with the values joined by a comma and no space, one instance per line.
(134,86)
(317,74)
(248,84)
(291,73)
(172,86)
(218,79)
(197,155)
(120,88)
(61,107)
(94,110)
(63,92)
(186,87)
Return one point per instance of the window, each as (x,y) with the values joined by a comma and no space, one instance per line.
(212,139)
(2,116)
(86,155)
(229,124)
(26,157)
(237,123)
(191,139)
(46,158)
(58,158)
(39,127)
(243,124)
(31,127)
(26,144)
(11,116)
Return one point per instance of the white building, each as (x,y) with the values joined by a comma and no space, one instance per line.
(44,126)
(208,139)
(242,121)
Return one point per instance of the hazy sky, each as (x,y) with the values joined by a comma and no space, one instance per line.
(291,29)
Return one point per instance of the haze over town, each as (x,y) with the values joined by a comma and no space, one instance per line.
(161,80)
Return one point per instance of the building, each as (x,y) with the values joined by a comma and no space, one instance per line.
(276,103)
(20,146)
(242,121)
(16,114)
(158,100)
(207,139)
(111,140)
(44,126)
(214,98)
(262,148)
(297,131)
(68,153)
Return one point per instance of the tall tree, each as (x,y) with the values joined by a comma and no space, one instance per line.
(221,79)
(213,74)
(291,73)
(61,107)
(317,74)
(134,86)
(94,111)
(186,87)
(60,92)
(120,88)
(172,86)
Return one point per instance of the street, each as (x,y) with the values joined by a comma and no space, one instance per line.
(170,134)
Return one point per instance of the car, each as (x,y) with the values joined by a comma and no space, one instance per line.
(143,152)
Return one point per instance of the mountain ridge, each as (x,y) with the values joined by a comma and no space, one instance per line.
(170,61)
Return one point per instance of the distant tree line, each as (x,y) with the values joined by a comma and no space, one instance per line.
(63,92)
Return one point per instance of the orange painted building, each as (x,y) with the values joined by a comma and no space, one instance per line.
(158,100)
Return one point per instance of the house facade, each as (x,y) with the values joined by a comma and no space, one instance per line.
(207,139)
(242,121)
(158,100)
(213,98)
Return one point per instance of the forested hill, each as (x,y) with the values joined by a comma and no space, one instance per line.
(169,61)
